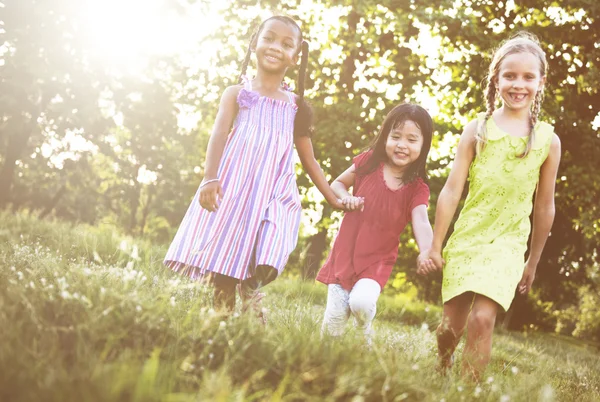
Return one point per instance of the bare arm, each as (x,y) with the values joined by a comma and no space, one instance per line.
(422,227)
(341,185)
(211,192)
(543,213)
(307,157)
(452,191)
(424,237)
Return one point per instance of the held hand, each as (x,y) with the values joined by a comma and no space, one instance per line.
(351,203)
(436,257)
(527,280)
(425,264)
(336,204)
(210,196)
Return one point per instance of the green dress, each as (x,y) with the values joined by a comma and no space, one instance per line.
(485,253)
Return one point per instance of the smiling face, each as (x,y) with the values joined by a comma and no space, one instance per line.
(519,79)
(404,143)
(277,46)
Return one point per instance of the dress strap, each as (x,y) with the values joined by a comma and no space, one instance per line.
(247,83)
(291,97)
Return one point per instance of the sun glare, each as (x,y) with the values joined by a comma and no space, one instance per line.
(124,33)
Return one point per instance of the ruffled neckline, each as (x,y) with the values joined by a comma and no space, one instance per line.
(382,178)
(495,133)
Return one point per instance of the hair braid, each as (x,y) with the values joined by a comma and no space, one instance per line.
(246,58)
(533,119)
(490,100)
(303,122)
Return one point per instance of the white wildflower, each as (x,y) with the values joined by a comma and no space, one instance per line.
(424,327)
(134,253)
(102,291)
(504,398)
(210,356)
(477,391)
(20,275)
(210,341)
(490,380)
(123,245)
(97,257)
(222,324)
(460,388)
(514,369)
(415,366)
(43,281)
(547,393)
(31,285)
(138,308)
(172,300)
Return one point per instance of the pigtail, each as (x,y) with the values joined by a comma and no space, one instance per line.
(246,58)
(303,122)
(490,98)
(533,119)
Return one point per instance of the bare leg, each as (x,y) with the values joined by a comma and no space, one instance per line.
(264,275)
(478,347)
(450,330)
(224,292)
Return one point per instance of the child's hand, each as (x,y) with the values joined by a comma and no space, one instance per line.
(527,280)
(429,261)
(425,265)
(352,203)
(337,204)
(211,195)
(436,257)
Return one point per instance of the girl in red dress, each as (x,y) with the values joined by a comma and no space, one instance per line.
(389,190)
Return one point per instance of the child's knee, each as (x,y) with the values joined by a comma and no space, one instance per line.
(363,306)
(482,321)
(445,331)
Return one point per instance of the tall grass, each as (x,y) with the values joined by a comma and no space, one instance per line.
(89,315)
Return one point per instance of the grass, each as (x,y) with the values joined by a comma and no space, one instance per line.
(87,314)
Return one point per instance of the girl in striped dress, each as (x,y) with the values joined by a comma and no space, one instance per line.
(243,222)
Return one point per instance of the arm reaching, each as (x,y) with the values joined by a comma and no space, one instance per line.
(452,191)
(424,238)
(340,187)
(543,214)
(211,191)
(307,157)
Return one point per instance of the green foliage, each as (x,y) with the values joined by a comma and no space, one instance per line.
(139,168)
(85,317)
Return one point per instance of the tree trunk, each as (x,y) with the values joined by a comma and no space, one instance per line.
(52,204)
(317,244)
(146,210)
(16,144)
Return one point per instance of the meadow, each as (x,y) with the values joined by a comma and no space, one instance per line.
(87,314)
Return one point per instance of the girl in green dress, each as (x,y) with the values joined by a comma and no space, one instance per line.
(507,154)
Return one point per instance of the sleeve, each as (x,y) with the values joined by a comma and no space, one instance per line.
(420,196)
(362,158)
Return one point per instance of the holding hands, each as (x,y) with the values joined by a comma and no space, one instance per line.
(351,203)
(429,261)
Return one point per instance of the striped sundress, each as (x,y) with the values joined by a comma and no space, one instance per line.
(258,219)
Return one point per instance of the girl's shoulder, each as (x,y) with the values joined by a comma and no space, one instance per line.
(362,158)
(232,92)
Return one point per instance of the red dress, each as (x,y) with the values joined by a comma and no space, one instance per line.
(366,245)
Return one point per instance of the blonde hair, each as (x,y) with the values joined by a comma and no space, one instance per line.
(520,43)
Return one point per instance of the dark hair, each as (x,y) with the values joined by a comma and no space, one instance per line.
(303,122)
(396,117)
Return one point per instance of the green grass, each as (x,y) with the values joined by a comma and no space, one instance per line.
(89,315)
